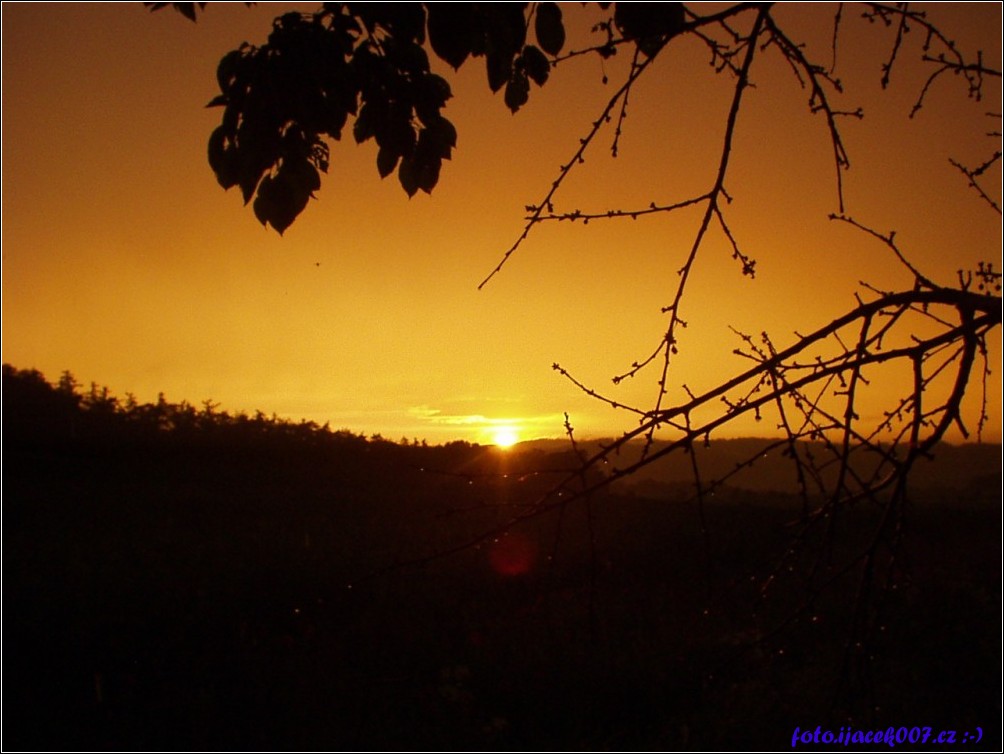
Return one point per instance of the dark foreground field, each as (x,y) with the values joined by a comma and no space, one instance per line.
(233,594)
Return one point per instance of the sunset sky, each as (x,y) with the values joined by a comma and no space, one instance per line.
(126,263)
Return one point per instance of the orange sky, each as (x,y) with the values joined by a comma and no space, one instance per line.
(124,262)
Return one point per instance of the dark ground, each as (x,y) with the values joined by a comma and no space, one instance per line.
(219,594)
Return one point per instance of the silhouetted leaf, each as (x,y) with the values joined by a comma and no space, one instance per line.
(421,169)
(218,101)
(435,89)
(394,131)
(319,154)
(366,121)
(549,28)
(221,159)
(450,26)
(405,21)
(186,9)
(340,86)
(282,197)
(429,175)
(386,161)
(226,71)
(249,175)
(503,33)
(499,65)
(333,121)
(258,145)
(263,202)
(649,24)
(506,26)
(427,162)
(231,117)
(407,174)
(409,20)
(536,64)
(408,57)
(517,91)
(303,176)
(442,137)
(431,93)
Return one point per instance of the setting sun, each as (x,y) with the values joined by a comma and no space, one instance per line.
(505,436)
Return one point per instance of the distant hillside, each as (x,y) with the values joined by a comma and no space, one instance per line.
(966,474)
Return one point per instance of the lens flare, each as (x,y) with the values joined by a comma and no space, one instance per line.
(513,554)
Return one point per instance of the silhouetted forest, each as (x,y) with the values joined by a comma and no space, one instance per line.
(181,577)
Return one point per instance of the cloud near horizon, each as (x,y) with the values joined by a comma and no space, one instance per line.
(529,427)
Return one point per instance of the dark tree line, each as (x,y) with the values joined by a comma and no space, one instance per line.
(64,416)
(36,410)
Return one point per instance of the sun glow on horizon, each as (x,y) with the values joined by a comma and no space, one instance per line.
(505,435)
